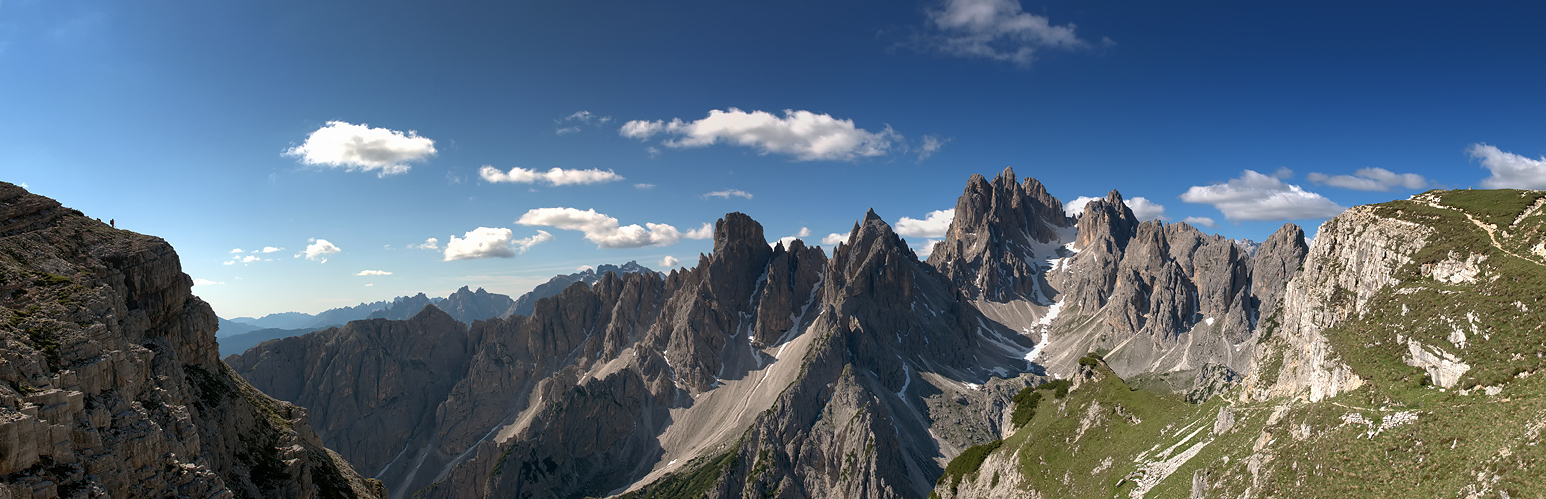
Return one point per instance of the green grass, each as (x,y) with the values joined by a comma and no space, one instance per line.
(967,463)
(701,475)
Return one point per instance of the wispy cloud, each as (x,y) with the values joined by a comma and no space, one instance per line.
(727,194)
(205,282)
(999,30)
(1203,221)
(373,272)
(1370,179)
(579,120)
(553,176)
(428,244)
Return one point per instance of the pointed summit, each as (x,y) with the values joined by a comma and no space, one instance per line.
(999,225)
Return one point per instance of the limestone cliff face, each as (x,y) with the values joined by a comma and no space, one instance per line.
(1354,256)
(111,381)
(996,226)
(467,306)
(373,385)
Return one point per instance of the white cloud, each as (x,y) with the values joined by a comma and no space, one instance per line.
(583,268)
(361,148)
(205,282)
(228,262)
(933,225)
(1509,170)
(269,249)
(601,229)
(1203,221)
(370,284)
(317,248)
(428,244)
(1254,196)
(704,232)
(237,250)
(805,135)
(931,144)
(1370,179)
(669,262)
(1076,207)
(250,259)
(927,248)
(579,119)
(997,29)
(787,240)
(1143,209)
(554,176)
(642,130)
(373,272)
(489,242)
(23,184)
(728,193)
(644,187)
(834,238)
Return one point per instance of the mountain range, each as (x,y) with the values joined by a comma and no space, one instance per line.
(1032,354)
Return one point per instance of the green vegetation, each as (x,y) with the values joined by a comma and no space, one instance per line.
(45,278)
(967,463)
(701,475)
(1030,397)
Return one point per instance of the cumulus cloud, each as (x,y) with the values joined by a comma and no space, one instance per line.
(930,145)
(1076,207)
(362,148)
(490,242)
(205,282)
(1370,179)
(602,229)
(269,249)
(1143,209)
(237,250)
(933,225)
(1203,221)
(1254,196)
(728,193)
(316,249)
(669,262)
(834,238)
(554,176)
(373,272)
(927,248)
(428,244)
(787,240)
(999,30)
(704,232)
(1509,170)
(805,135)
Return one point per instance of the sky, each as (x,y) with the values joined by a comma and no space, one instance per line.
(302,156)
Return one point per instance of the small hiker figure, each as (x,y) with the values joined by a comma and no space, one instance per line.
(113,222)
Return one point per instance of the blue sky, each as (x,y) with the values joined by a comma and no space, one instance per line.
(365,127)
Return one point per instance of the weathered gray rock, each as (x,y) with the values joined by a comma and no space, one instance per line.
(112,385)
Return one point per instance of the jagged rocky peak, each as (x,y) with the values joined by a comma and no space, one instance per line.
(794,276)
(1107,221)
(740,255)
(999,228)
(1275,262)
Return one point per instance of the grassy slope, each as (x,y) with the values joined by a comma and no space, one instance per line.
(1458,443)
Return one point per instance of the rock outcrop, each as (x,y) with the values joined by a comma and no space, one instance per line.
(468,306)
(112,384)
(1002,234)
(525,303)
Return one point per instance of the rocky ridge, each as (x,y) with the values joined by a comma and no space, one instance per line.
(111,381)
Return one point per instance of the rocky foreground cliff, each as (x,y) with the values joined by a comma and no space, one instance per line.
(110,382)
